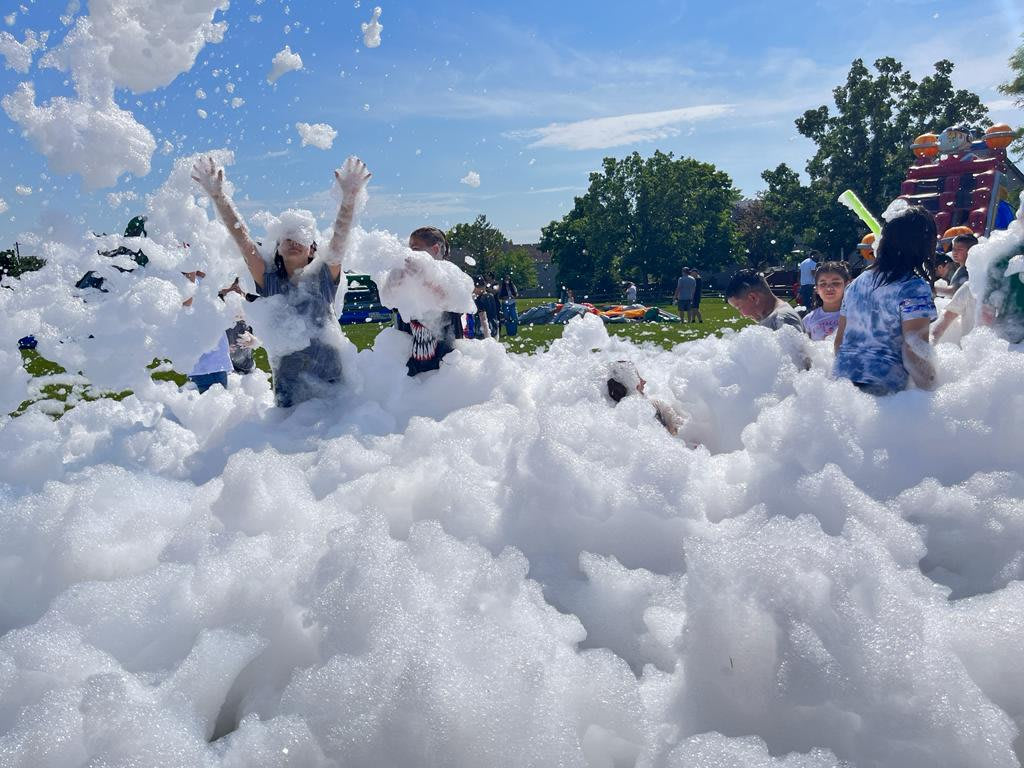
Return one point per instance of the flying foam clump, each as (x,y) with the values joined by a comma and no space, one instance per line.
(372,29)
(121,44)
(319,135)
(284,62)
(18,56)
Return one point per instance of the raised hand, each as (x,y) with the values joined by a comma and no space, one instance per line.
(352,176)
(209,176)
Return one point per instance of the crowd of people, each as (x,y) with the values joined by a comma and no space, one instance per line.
(881,321)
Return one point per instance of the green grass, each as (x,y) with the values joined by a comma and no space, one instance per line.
(717,316)
(54,392)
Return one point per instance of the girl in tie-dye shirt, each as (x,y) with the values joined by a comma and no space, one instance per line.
(882,338)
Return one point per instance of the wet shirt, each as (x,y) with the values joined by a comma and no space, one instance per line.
(820,324)
(301,375)
(430,344)
(871,353)
(783,315)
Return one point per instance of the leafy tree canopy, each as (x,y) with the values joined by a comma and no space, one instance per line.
(642,218)
(1015,88)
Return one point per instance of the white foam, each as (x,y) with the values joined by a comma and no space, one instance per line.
(490,563)
(319,135)
(18,56)
(121,43)
(372,29)
(284,61)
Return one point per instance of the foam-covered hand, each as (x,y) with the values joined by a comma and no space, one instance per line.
(352,176)
(209,176)
(247,341)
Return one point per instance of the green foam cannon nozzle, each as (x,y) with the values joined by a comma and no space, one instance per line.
(850,200)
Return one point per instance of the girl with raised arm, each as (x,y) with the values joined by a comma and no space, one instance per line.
(307,284)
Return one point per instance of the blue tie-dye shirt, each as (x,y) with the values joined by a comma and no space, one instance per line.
(871,353)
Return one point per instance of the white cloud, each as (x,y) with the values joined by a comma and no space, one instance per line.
(19,55)
(3,205)
(604,132)
(284,61)
(23,190)
(319,135)
(471,179)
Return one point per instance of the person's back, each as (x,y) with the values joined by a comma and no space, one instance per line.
(631,294)
(685,287)
(807,267)
(871,351)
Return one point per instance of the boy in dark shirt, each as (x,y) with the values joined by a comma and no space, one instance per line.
(430,342)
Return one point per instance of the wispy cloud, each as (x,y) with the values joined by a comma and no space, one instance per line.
(556,190)
(604,132)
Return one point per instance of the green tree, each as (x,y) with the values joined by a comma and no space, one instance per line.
(518,264)
(755,235)
(864,144)
(481,240)
(13,264)
(641,218)
(1015,88)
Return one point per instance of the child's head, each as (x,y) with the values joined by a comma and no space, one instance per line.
(830,279)
(961,245)
(944,266)
(749,294)
(430,240)
(623,380)
(907,242)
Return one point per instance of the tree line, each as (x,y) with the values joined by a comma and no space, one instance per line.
(641,218)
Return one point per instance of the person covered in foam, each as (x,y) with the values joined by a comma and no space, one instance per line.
(308,284)
(433,333)
(625,380)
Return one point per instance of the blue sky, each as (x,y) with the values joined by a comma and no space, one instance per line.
(528,95)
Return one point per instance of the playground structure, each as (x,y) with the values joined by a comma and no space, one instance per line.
(964,180)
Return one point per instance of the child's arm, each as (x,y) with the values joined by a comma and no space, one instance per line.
(352,178)
(840,330)
(948,317)
(917,352)
(211,179)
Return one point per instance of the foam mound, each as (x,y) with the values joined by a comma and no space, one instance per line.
(492,564)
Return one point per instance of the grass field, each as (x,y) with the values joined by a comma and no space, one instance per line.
(717,316)
(53,390)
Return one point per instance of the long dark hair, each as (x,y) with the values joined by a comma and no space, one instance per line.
(908,242)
